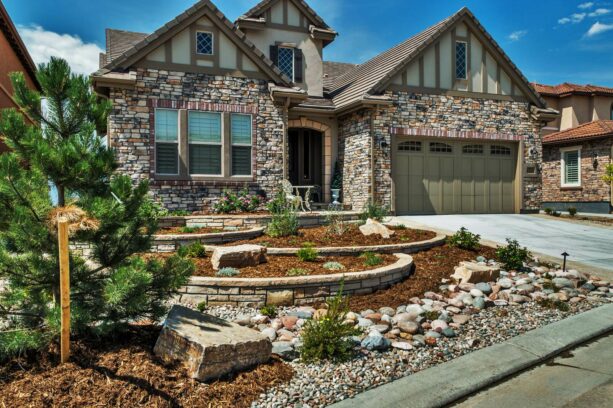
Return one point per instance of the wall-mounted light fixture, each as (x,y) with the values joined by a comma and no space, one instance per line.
(595,160)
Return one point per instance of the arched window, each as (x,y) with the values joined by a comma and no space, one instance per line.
(411,146)
(436,147)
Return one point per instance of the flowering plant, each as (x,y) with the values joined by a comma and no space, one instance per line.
(233,202)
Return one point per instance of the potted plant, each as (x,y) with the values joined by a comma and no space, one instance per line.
(337,184)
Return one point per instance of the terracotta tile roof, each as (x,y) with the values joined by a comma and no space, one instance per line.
(566,89)
(262,6)
(369,78)
(333,70)
(591,130)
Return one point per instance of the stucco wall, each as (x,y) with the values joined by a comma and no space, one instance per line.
(130,132)
(592,189)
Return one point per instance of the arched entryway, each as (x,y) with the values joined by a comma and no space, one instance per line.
(310,155)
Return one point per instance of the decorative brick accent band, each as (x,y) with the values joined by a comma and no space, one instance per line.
(258,292)
(171,243)
(455,134)
(201,106)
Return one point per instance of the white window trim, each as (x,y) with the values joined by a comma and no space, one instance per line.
(241,145)
(293,59)
(563,182)
(223,164)
(212,42)
(178,142)
(456,60)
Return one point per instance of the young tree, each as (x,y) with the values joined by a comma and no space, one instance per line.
(113,286)
(608,174)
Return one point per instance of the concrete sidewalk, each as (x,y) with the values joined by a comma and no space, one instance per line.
(580,378)
(450,382)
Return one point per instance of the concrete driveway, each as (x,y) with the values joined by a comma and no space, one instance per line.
(590,246)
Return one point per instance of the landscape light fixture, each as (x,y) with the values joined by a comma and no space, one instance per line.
(564,254)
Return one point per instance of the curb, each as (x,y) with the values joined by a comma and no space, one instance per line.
(449,382)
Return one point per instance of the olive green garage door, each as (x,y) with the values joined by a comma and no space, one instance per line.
(454,177)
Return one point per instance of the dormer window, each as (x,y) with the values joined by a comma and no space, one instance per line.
(460,60)
(204,43)
(285,61)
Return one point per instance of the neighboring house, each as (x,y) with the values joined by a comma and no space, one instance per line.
(13,57)
(577,147)
(442,123)
(577,104)
(574,162)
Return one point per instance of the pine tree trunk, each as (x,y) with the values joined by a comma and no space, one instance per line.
(61,196)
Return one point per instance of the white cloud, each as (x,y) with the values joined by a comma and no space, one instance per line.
(517,35)
(599,28)
(599,12)
(577,17)
(585,6)
(43,44)
(564,20)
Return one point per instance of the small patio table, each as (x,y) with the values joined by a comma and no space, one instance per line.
(306,202)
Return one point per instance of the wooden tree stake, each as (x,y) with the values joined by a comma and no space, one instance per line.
(64,288)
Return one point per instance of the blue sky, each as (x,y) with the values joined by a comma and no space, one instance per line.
(551,41)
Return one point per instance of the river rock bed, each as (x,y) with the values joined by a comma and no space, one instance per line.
(432,329)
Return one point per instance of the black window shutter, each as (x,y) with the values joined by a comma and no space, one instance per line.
(274,54)
(298,69)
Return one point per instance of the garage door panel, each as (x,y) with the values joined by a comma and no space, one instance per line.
(470,180)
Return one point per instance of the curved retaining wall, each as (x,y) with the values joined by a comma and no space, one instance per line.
(229,222)
(257,292)
(170,243)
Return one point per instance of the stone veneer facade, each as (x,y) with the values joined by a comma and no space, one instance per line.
(131,131)
(594,195)
(499,120)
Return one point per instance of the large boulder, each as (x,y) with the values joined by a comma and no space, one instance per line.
(209,347)
(373,227)
(238,256)
(470,272)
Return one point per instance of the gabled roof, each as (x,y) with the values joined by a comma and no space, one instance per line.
(587,131)
(568,89)
(10,32)
(140,49)
(373,76)
(264,5)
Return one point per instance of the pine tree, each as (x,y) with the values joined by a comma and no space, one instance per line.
(114,286)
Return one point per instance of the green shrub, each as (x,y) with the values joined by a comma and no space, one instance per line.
(227,272)
(334,266)
(335,222)
(513,255)
(572,211)
(337,178)
(195,250)
(554,304)
(431,314)
(371,259)
(548,211)
(279,203)
(328,337)
(556,213)
(283,224)
(401,227)
(188,230)
(297,272)
(307,253)
(375,212)
(237,202)
(179,213)
(201,307)
(269,310)
(464,239)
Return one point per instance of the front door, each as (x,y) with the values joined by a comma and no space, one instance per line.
(305,157)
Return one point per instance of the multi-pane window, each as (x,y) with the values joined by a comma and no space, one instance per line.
(472,149)
(286,61)
(496,150)
(205,143)
(204,43)
(167,141)
(437,147)
(411,146)
(240,126)
(460,60)
(571,169)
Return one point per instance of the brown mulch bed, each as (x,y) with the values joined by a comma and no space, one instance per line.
(278,266)
(589,220)
(198,230)
(123,372)
(430,267)
(320,237)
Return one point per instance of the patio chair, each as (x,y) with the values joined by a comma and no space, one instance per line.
(294,200)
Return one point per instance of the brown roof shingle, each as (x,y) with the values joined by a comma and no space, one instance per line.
(333,70)
(590,130)
(120,41)
(567,89)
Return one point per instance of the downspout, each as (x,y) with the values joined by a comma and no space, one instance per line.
(285,138)
(372,156)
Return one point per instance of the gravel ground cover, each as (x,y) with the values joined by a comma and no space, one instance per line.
(427,330)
